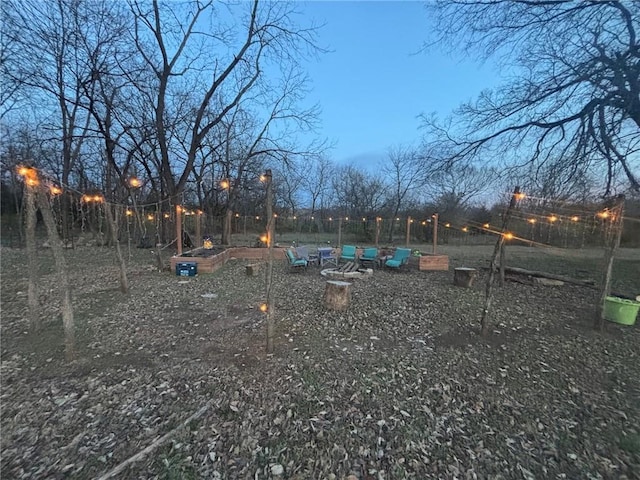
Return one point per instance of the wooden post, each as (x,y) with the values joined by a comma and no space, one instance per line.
(179,229)
(613,241)
(408,230)
(30,227)
(435,232)
(484,327)
(503,262)
(198,229)
(269,274)
(340,231)
(337,295)
(378,220)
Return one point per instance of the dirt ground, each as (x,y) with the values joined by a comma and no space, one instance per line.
(398,386)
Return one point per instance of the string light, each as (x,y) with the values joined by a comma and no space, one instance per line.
(532,221)
(575,218)
(520,196)
(55,190)
(24,171)
(508,235)
(134,182)
(30,175)
(263,308)
(225,184)
(447,225)
(486,225)
(553,218)
(92,198)
(150,216)
(166,215)
(465,229)
(129,213)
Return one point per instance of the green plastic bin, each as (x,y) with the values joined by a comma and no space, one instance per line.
(621,310)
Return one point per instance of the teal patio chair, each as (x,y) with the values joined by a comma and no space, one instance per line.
(400,258)
(348,253)
(369,257)
(295,263)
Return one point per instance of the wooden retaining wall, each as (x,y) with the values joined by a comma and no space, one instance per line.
(214,262)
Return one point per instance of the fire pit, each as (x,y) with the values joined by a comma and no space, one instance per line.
(339,273)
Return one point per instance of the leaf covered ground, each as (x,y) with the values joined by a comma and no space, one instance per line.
(399,386)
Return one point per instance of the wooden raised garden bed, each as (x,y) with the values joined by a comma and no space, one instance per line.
(208,261)
(433,262)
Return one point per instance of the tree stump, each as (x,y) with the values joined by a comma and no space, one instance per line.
(337,295)
(252,269)
(464,276)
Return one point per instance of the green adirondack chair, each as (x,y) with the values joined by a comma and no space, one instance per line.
(369,256)
(400,258)
(295,263)
(348,253)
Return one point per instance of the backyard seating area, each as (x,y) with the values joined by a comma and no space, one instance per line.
(351,256)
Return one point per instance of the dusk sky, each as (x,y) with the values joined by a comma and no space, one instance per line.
(374,82)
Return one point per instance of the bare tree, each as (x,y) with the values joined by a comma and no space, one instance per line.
(453,189)
(357,193)
(49,61)
(405,172)
(178,51)
(316,184)
(575,95)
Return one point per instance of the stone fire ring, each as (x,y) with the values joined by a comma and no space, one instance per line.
(335,273)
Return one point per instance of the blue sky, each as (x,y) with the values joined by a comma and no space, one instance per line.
(374,82)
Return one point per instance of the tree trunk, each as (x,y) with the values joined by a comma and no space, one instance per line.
(484,326)
(63,275)
(226,227)
(113,227)
(337,295)
(464,277)
(30,232)
(269,273)
(610,253)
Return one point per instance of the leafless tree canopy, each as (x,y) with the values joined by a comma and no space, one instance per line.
(572,98)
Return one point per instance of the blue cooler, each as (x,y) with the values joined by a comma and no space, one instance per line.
(186,269)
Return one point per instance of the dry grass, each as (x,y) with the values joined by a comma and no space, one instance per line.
(399,386)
